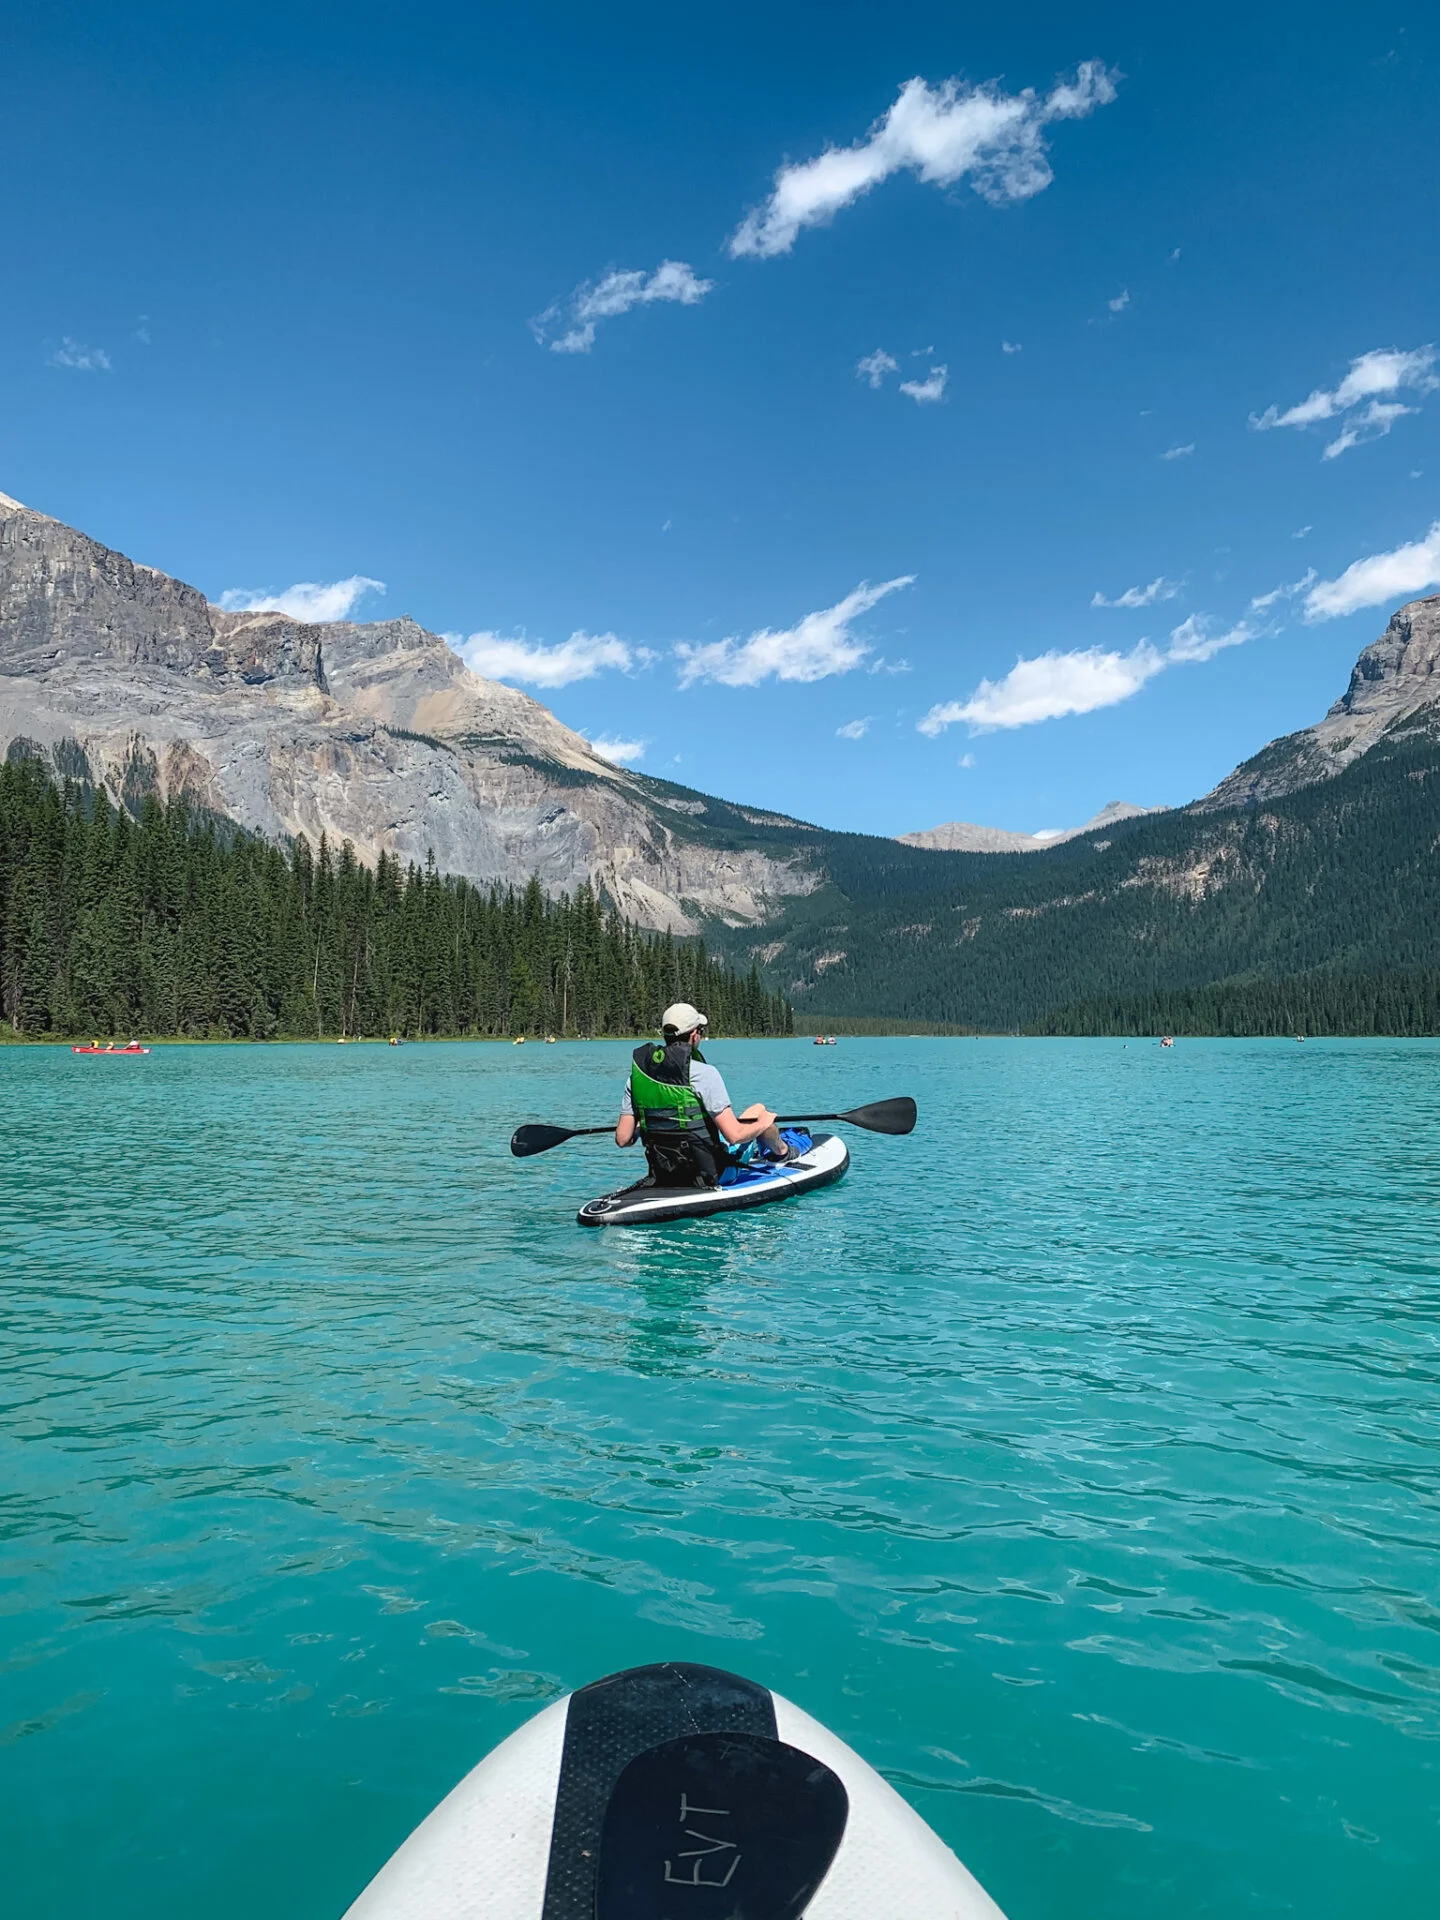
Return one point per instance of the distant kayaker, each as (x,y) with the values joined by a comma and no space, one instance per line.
(678,1106)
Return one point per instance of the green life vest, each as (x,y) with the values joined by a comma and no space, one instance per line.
(681,1140)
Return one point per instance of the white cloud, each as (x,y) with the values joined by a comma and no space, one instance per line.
(1011,346)
(966,760)
(923,392)
(1175,253)
(1383,370)
(875,366)
(1082,681)
(622,752)
(313,601)
(496,656)
(1178,453)
(1048,687)
(1300,532)
(942,134)
(853,729)
(1158,589)
(617,293)
(1405,571)
(71,353)
(1120,302)
(817,646)
(1192,641)
(1264,600)
(1373,423)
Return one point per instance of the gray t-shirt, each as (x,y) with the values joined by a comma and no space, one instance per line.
(707,1083)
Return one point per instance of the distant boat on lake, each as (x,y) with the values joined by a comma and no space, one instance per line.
(130,1050)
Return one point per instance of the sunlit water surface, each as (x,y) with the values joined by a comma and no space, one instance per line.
(1075,1459)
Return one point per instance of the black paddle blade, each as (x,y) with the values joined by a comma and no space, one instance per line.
(886,1116)
(537,1139)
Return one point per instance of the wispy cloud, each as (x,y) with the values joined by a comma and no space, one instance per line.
(819,645)
(1083,680)
(1120,302)
(497,656)
(312,601)
(875,366)
(1158,589)
(617,293)
(1383,370)
(926,392)
(622,752)
(1263,601)
(943,134)
(83,359)
(853,729)
(966,760)
(1011,346)
(1370,423)
(1179,453)
(1192,640)
(1402,572)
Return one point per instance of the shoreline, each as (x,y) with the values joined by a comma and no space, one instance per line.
(65,1043)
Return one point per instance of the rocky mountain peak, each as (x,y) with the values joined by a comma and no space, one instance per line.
(1400,668)
(65,600)
(1396,679)
(963,836)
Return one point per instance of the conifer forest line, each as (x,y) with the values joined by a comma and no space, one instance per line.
(175,924)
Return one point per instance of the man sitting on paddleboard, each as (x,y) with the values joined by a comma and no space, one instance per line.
(678,1106)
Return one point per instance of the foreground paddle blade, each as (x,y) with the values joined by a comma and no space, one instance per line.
(537,1139)
(886,1116)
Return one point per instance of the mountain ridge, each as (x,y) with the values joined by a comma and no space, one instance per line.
(964,836)
(376,733)
(1317,852)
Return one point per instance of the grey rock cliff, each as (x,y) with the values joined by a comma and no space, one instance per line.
(377,734)
(1395,684)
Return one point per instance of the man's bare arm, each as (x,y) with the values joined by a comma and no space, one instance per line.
(757,1120)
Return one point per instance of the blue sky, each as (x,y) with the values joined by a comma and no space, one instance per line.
(554,322)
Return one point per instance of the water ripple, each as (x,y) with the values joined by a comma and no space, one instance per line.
(331,1450)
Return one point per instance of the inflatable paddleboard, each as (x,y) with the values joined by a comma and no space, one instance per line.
(825,1160)
(673,1793)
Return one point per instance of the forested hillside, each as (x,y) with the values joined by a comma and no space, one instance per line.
(175,923)
(1319,910)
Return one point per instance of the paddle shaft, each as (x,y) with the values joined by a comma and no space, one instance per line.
(885,1116)
(781,1120)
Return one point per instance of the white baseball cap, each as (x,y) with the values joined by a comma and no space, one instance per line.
(682,1018)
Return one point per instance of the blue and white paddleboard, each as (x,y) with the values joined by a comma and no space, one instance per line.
(825,1160)
(673,1793)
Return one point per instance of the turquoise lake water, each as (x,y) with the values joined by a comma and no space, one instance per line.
(1076,1459)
